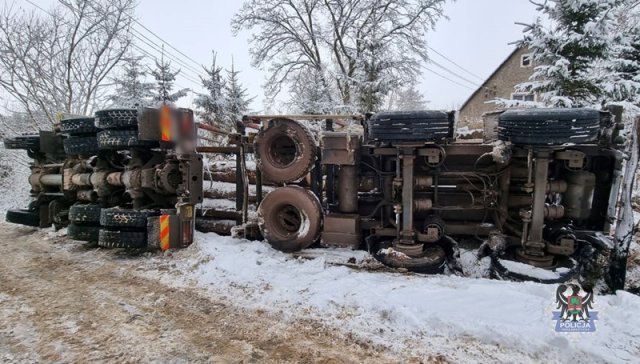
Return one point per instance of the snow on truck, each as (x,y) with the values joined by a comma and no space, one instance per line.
(541,188)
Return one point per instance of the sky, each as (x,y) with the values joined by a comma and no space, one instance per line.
(476,36)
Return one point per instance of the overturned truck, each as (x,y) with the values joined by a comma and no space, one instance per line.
(540,189)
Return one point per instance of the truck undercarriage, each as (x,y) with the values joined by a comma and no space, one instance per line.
(541,189)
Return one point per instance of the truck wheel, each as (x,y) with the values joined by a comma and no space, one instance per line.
(116,217)
(78,126)
(28,142)
(83,232)
(23,217)
(117,118)
(290,218)
(122,239)
(398,126)
(75,145)
(549,126)
(121,139)
(85,214)
(431,261)
(286,151)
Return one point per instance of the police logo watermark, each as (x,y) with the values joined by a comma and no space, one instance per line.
(575,305)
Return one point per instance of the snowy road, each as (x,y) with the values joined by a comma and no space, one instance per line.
(227,300)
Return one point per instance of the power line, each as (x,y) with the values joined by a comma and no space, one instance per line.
(446,78)
(455,64)
(155,46)
(132,44)
(180,73)
(143,51)
(453,73)
(164,41)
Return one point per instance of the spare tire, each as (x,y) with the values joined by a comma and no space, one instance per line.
(122,139)
(290,218)
(399,126)
(286,151)
(23,217)
(549,126)
(81,145)
(28,142)
(78,126)
(117,118)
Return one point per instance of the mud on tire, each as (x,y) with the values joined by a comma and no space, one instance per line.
(121,139)
(549,126)
(116,217)
(117,118)
(290,218)
(286,151)
(87,145)
(83,232)
(432,260)
(122,239)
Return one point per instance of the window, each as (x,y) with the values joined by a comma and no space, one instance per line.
(526,60)
(523,96)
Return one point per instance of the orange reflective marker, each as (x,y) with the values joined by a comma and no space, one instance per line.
(165,123)
(164,232)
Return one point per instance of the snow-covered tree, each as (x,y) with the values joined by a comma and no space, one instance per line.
(165,80)
(309,95)
(61,60)
(330,38)
(622,82)
(581,37)
(406,99)
(211,106)
(132,90)
(236,97)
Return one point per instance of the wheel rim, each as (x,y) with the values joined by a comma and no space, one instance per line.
(283,151)
(288,220)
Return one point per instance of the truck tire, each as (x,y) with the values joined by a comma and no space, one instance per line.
(121,139)
(80,145)
(83,232)
(23,217)
(432,260)
(116,217)
(78,126)
(290,218)
(399,126)
(85,214)
(122,239)
(27,142)
(117,118)
(286,151)
(549,126)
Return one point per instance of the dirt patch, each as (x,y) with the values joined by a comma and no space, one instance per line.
(59,303)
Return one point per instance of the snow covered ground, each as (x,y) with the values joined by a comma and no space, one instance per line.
(401,311)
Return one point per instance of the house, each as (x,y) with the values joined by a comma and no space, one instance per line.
(517,68)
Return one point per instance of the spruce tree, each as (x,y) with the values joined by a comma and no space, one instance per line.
(581,36)
(211,106)
(131,89)
(236,96)
(165,79)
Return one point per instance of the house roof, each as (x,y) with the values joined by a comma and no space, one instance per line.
(484,84)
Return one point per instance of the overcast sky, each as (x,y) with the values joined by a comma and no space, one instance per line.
(476,36)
